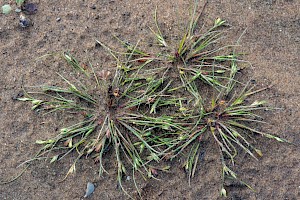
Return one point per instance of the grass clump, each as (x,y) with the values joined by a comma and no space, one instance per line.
(156,106)
(118,123)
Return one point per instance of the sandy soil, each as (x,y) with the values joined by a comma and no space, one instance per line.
(272,44)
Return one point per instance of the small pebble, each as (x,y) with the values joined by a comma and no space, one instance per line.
(58,19)
(18,10)
(24,22)
(89,189)
(6,9)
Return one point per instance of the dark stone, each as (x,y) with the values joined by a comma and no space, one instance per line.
(29,8)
